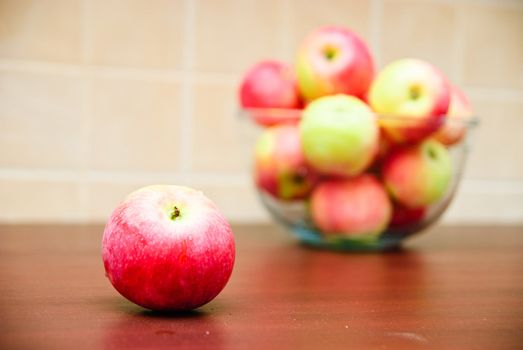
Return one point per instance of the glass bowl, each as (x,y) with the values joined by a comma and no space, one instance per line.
(294,214)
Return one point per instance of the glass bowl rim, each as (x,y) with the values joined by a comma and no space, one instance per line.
(294,114)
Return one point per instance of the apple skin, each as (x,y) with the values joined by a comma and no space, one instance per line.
(334,60)
(162,263)
(358,206)
(406,217)
(454,128)
(270,84)
(280,167)
(385,146)
(339,134)
(417,175)
(413,96)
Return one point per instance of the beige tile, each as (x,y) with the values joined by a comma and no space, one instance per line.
(231,35)
(41,120)
(105,196)
(238,203)
(33,201)
(419,29)
(486,208)
(497,146)
(493,46)
(305,16)
(137,32)
(41,29)
(135,125)
(222,141)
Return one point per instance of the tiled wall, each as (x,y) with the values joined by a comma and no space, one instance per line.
(100,97)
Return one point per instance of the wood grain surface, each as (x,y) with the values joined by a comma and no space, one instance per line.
(450,288)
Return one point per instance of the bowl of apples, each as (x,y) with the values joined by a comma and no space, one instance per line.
(350,157)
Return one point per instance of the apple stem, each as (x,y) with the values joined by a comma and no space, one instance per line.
(432,153)
(175,213)
(415,92)
(329,53)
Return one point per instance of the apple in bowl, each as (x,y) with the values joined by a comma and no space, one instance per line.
(334,60)
(412,98)
(418,175)
(270,91)
(459,111)
(280,168)
(339,135)
(404,217)
(351,207)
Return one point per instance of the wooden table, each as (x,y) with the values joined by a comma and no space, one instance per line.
(453,287)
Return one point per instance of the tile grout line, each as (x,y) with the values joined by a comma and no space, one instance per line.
(467,219)
(187,97)
(86,82)
(150,75)
(375,15)
(457,45)
(494,94)
(42,67)
(83,178)
(102,176)
(286,23)
(469,186)
(130,73)
(510,4)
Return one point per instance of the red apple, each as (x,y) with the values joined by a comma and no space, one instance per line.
(168,248)
(454,128)
(334,60)
(406,217)
(412,97)
(280,166)
(269,84)
(418,175)
(351,207)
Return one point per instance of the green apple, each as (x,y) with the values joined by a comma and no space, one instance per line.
(339,135)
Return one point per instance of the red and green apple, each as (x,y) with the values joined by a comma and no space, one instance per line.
(412,98)
(417,175)
(269,84)
(334,60)
(280,166)
(455,126)
(357,206)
